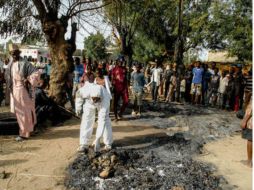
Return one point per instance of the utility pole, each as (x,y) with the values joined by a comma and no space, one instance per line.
(179,49)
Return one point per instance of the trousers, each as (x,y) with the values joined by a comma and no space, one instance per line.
(104,128)
(86,127)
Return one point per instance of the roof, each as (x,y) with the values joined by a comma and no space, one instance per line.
(152,63)
(221,56)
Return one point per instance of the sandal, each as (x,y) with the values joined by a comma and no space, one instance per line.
(96,146)
(20,138)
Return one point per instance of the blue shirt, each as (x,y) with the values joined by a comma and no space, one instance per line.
(197,75)
(47,69)
(78,72)
(139,82)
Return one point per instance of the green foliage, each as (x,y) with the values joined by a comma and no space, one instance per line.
(95,46)
(145,49)
(159,23)
(125,16)
(226,25)
(78,52)
(31,40)
(8,44)
(215,25)
(240,34)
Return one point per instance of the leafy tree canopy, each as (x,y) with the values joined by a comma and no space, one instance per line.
(95,46)
(145,49)
(215,25)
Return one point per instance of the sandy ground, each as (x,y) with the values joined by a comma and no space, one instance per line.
(41,162)
(227,155)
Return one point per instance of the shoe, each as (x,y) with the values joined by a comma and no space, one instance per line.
(20,139)
(138,115)
(120,116)
(96,145)
(83,149)
(116,120)
(133,113)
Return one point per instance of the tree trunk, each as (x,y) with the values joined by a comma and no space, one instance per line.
(179,50)
(126,49)
(61,52)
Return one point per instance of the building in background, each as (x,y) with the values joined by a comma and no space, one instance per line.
(30,52)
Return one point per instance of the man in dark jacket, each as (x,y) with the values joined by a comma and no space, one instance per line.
(167,75)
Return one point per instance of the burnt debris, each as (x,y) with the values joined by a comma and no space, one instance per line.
(167,164)
(167,161)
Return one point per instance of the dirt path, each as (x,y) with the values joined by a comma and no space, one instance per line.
(41,162)
(226,155)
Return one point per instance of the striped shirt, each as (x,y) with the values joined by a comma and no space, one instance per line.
(248,83)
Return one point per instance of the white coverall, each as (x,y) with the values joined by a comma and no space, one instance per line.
(104,128)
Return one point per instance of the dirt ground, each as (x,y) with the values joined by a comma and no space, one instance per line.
(227,155)
(41,162)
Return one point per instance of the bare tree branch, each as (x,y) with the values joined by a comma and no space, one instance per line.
(78,3)
(86,9)
(40,7)
(82,26)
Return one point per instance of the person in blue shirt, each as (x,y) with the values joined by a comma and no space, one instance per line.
(47,72)
(196,85)
(205,83)
(138,83)
(78,72)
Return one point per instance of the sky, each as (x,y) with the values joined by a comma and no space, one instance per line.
(103,28)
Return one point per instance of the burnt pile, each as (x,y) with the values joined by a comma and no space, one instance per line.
(198,122)
(166,164)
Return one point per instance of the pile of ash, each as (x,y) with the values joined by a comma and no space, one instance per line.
(167,164)
(198,122)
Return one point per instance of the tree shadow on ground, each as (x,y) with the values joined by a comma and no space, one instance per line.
(18,149)
(11,162)
(59,133)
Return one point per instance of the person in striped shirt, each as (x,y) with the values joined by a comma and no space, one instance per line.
(247,87)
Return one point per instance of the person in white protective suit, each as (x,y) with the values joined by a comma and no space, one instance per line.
(104,82)
(92,97)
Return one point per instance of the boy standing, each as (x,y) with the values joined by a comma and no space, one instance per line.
(196,85)
(138,81)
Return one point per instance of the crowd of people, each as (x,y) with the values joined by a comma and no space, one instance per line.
(201,85)
(97,87)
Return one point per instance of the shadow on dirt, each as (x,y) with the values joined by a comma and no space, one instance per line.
(11,162)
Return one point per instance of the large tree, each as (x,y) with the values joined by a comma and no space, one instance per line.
(95,46)
(125,16)
(50,18)
(145,49)
(232,19)
(219,25)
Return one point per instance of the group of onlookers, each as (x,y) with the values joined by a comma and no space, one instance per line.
(95,82)
(200,84)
